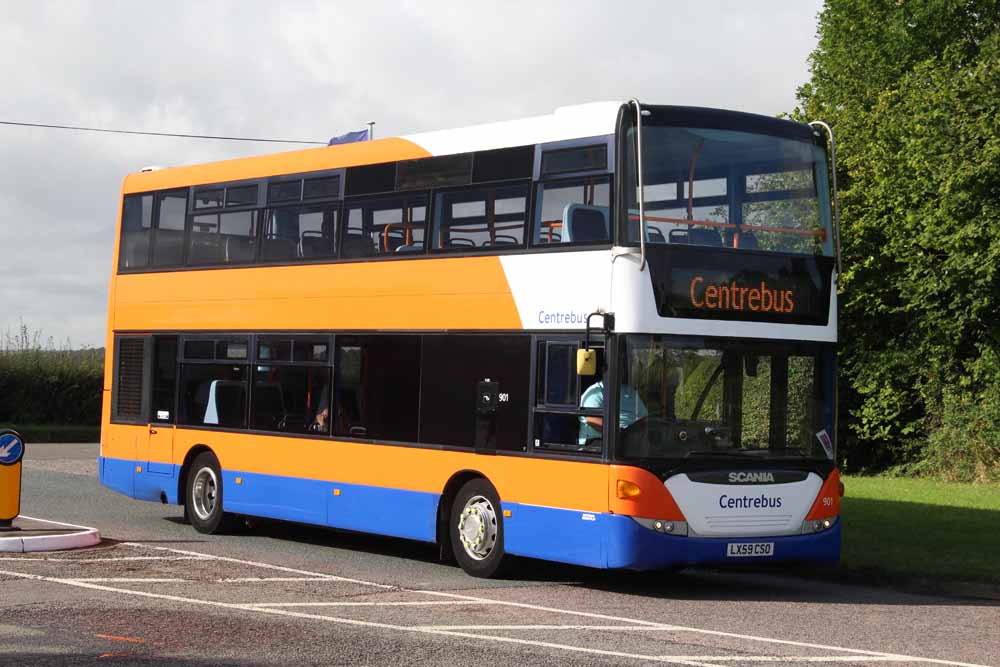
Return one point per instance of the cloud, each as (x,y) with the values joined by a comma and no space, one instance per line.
(311,70)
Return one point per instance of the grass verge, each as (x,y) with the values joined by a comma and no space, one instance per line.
(921,528)
(56,432)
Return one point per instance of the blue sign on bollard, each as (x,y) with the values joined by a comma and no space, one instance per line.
(11,448)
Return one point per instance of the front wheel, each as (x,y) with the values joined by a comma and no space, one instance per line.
(203,498)
(476,529)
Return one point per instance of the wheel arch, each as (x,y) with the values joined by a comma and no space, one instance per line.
(186,468)
(448,494)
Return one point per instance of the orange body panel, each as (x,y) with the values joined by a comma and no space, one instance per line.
(653,501)
(441,293)
(551,483)
(827,504)
(262,166)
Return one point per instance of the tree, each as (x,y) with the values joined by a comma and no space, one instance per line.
(912,90)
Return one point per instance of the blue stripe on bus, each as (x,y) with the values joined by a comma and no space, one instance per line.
(592,539)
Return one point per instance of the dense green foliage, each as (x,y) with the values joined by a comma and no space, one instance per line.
(912,90)
(42,385)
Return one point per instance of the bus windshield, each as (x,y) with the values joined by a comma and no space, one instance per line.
(699,398)
(730,188)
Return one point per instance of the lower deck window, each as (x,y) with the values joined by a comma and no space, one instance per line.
(293,399)
(214,395)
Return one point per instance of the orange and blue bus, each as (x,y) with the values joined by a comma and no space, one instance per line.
(604,336)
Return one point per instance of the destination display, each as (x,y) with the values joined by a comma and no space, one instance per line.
(709,283)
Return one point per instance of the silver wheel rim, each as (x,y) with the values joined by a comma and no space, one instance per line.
(477,527)
(204,493)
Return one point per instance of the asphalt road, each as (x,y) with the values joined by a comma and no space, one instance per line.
(155,592)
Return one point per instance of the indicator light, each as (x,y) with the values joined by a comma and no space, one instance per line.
(626,489)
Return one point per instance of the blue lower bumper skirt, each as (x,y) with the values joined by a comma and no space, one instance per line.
(634,547)
(596,539)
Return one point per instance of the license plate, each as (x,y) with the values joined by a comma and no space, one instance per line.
(749,549)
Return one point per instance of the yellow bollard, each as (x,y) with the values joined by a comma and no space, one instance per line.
(11,451)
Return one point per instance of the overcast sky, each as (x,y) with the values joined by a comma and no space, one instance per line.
(311,70)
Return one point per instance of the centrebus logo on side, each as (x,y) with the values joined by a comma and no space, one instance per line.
(732,296)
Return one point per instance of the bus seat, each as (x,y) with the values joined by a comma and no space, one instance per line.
(748,241)
(239,249)
(698,236)
(268,405)
(205,251)
(410,247)
(678,236)
(585,223)
(505,239)
(459,242)
(357,245)
(278,249)
(225,403)
(654,235)
(315,244)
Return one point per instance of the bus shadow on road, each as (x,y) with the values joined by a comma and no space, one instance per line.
(785,583)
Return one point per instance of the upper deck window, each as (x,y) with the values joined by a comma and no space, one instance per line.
(137,223)
(573,211)
(568,160)
(480,218)
(380,227)
(713,186)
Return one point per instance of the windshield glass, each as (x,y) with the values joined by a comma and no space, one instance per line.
(732,189)
(695,397)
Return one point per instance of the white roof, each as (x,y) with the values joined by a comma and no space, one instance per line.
(573,122)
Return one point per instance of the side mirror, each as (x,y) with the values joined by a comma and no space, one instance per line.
(586,362)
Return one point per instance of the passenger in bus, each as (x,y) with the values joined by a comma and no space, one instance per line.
(630,409)
(321,417)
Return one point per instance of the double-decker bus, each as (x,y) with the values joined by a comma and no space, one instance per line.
(603,336)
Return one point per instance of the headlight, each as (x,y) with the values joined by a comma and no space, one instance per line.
(665,526)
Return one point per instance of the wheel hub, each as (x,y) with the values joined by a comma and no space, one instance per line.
(477,527)
(204,493)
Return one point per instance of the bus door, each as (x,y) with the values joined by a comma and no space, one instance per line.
(163,389)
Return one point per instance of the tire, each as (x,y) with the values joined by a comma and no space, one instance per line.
(203,495)
(475,528)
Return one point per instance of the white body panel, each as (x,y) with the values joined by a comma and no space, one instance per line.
(575,122)
(744,510)
(558,290)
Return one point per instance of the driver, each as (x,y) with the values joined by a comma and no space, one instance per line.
(630,409)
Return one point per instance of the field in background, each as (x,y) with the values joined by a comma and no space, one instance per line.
(922,528)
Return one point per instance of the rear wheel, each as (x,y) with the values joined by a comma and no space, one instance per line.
(203,500)
(476,529)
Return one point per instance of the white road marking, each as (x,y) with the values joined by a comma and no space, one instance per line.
(877,655)
(585,614)
(407,603)
(54,523)
(102,560)
(267,566)
(788,658)
(354,622)
(251,580)
(126,580)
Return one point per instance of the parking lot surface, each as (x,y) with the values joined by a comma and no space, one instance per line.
(156,592)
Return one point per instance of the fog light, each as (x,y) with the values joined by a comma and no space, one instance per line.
(668,527)
(658,525)
(827,523)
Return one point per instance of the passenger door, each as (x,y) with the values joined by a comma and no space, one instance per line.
(163,390)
